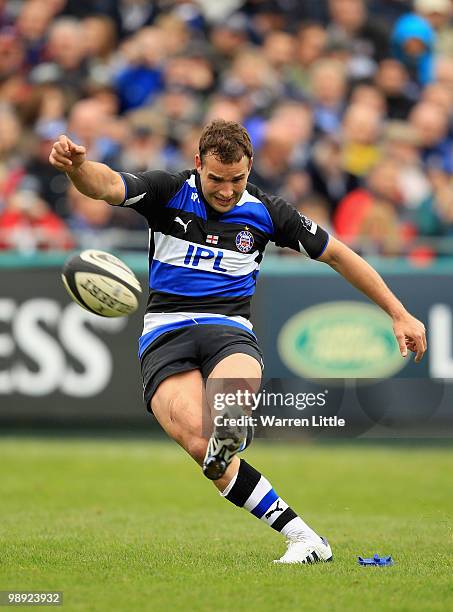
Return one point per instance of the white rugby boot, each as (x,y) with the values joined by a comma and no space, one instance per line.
(306,550)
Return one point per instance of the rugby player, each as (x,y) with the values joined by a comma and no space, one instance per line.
(208,230)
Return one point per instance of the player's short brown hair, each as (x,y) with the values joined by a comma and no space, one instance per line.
(228,141)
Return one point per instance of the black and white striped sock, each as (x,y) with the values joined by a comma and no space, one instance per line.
(251,490)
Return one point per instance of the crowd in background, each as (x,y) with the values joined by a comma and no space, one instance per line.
(349,105)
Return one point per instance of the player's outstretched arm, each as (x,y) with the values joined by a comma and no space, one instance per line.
(93,179)
(409,331)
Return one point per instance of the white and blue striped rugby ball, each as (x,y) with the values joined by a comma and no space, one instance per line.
(101,283)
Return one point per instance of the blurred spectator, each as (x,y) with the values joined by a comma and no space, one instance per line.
(361,133)
(143,150)
(442,208)
(100,38)
(66,53)
(413,44)
(286,137)
(368,216)
(94,223)
(401,145)
(131,15)
(7,14)
(444,72)
(176,110)
(141,79)
(438,13)
(11,162)
(294,121)
(327,109)
(393,81)
(265,16)
(191,70)
(366,94)
(227,108)
(228,38)
(87,214)
(272,161)
(389,10)
(296,186)
(46,102)
(310,45)
(328,175)
(442,97)
(291,10)
(253,76)
(380,231)
(89,125)
(432,128)
(13,86)
(175,32)
(188,146)
(367,36)
(328,93)
(28,224)
(51,185)
(216,12)
(279,49)
(438,94)
(32,23)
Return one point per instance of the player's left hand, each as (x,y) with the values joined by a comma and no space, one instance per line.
(411,335)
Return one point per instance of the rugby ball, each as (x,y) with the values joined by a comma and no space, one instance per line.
(101,283)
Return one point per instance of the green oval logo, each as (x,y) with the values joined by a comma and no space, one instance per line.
(340,340)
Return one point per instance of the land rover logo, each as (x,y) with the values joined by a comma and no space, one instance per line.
(340,340)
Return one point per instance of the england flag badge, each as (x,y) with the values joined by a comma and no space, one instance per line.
(212,239)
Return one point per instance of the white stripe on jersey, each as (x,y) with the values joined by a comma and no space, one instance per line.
(153,320)
(247,198)
(171,250)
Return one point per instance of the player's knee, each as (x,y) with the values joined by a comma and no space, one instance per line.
(196,447)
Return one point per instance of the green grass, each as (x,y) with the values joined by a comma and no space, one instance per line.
(132,525)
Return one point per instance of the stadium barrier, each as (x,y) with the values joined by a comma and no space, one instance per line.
(62,366)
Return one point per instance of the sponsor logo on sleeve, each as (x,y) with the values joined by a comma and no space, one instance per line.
(309,225)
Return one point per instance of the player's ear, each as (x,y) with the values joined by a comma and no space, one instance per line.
(198,163)
(250,163)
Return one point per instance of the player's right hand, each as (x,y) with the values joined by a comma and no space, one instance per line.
(66,155)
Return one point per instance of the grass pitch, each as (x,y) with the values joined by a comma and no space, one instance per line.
(133,525)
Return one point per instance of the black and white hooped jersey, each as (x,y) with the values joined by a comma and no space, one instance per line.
(203,265)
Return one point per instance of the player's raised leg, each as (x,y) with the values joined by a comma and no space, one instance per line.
(245,487)
(180,407)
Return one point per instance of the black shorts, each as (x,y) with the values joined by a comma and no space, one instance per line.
(197,347)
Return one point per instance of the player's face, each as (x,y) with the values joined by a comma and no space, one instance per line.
(223,184)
